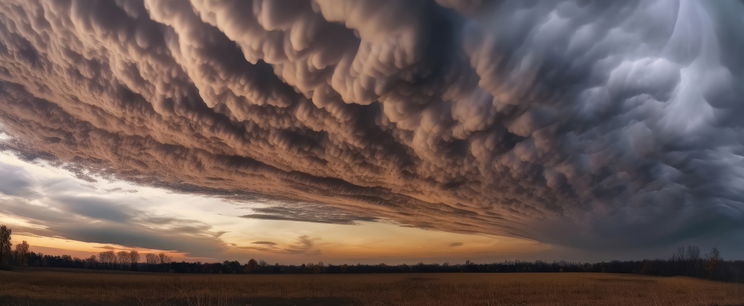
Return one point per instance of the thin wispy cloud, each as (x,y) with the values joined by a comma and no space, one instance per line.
(306,212)
(303,245)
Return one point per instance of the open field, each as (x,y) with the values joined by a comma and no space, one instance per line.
(80,287)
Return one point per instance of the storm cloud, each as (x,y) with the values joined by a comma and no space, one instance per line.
(579,123)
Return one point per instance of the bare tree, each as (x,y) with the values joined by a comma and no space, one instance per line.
(693,252)
(107,257)
(713,261)
(5,245)
(151,259)
(21,252)
(134,258)
(163,258)
(91,261)
(122,258)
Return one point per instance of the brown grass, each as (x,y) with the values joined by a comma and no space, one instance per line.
(74,287)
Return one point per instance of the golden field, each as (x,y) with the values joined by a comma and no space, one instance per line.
(84,287)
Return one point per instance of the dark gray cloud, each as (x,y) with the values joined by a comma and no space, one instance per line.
(134,235)
(264,242)
(37,214)
(15,182)
(95,208)
(585,124)
(306,212)
(303,245)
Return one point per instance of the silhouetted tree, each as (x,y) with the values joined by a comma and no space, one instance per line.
(151,259)
(91,262)
(21,252)
(107,258)
(712,263)
(693,252)
(134,258)
(680,255)
(122,257)
(5,246)
(163,258)
(251,266)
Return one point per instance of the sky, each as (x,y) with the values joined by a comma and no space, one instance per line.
(59,211)
(373,131)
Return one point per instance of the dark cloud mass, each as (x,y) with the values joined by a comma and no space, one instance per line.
(306,212)
(580,123)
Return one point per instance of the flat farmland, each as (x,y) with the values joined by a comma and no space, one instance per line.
(85,287)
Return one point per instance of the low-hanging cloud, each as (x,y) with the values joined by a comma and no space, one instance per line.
(302,245)
(306,212)
(570,122)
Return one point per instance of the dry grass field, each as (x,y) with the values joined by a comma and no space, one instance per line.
(80,287)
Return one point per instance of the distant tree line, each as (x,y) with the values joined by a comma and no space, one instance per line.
(687,261)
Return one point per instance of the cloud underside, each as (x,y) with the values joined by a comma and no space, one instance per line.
(567,122)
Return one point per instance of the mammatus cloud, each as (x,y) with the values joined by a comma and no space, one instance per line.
(572,122)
